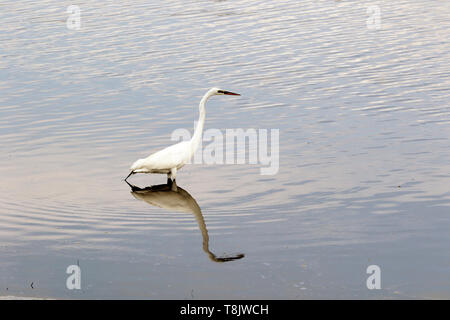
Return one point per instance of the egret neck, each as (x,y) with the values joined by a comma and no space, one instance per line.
(196,138)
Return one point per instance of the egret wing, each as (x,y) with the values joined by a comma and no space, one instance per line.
(171,157)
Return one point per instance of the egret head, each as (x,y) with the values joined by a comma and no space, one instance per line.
(217,91)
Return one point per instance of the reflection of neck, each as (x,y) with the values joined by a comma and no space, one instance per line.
(164,196)
(202,226)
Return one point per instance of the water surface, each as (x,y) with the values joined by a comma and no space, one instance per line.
(364,149)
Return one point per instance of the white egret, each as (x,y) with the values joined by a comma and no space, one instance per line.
(171,159)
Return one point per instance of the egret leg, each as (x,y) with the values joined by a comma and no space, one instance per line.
(173,182)
(128,176)
(173,186)
(173,174)
(133,188)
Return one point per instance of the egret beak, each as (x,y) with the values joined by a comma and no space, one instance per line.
(229,93)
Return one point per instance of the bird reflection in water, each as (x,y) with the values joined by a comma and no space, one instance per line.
(171,197)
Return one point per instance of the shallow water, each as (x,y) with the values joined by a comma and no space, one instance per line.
(364,149)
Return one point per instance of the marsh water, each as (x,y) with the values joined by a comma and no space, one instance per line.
(363,117)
